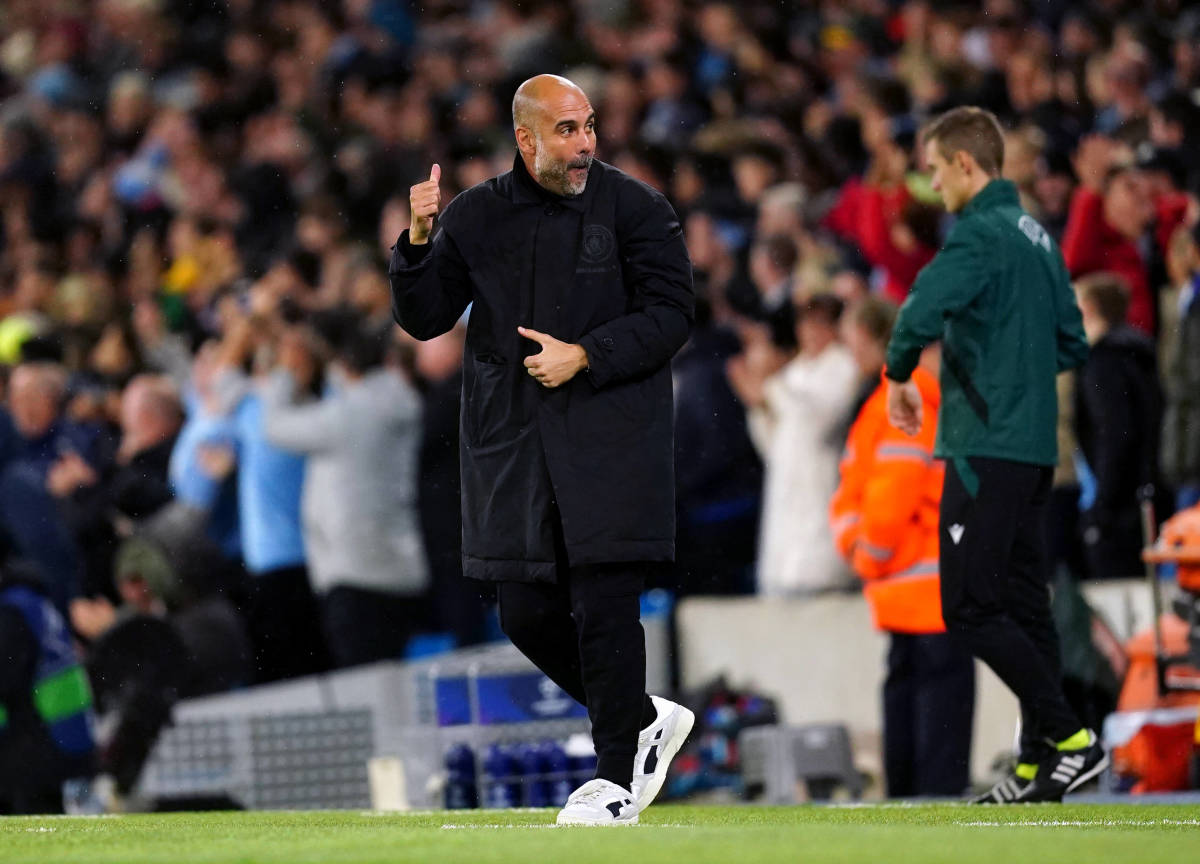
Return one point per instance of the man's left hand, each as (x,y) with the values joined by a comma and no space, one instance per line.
(557,362)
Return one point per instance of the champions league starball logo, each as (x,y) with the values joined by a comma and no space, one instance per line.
(554,701)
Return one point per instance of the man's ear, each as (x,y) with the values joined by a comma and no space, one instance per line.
(525,141)
(966,163)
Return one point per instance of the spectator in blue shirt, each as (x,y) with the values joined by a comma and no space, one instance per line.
(281,611)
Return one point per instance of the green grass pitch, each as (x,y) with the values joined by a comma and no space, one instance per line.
(924,834)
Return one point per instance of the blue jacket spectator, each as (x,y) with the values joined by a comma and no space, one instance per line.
(201,467)
(45,443)
(281,610)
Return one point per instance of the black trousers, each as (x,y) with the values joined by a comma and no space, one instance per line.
(928,709)
(585,632)
(363,626)
(285,626)
(995,586)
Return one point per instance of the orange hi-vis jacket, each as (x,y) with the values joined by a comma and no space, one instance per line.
(885,513)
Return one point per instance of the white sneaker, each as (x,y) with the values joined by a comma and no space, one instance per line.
(657,745)
(599,802)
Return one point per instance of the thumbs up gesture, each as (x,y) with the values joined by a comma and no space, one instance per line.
(424,199)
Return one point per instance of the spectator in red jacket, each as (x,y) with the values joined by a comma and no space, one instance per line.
(877,212)
(1110,214)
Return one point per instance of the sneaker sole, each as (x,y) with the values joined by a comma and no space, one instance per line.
(1088,775)
(991,801)
(682,729)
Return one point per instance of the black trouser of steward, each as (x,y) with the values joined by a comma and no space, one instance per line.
(928,708)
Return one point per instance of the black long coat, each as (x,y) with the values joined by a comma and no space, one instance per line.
(607,270)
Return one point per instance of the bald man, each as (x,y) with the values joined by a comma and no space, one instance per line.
(151,414)
(581,292)
(35,396)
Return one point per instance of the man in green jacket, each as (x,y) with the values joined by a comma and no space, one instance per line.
(999,298)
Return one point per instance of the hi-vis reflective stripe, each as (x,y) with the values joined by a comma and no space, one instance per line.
(843,523)
(879,553)
(903,453)
(63,694)
(928,567)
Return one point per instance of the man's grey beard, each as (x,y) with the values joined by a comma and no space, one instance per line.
(554,175)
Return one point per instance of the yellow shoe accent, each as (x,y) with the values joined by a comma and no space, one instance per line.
(1026,770)
(1078,741)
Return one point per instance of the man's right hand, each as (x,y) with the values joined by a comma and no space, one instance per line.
(904,406)
(424,199)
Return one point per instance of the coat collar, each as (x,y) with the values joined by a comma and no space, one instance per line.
(997,193)
(527,191)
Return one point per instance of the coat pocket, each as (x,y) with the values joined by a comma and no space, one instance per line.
(488,405)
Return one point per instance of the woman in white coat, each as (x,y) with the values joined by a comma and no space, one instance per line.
(794,416)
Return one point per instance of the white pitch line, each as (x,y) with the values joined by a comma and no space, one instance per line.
(441,811)
(556,827)
(469,827)
(81,816)
(1095,823)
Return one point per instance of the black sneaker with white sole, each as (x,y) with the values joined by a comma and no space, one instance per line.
(1005,791)
(1065,771)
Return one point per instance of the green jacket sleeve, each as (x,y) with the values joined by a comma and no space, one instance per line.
(948,283)
(1072,343)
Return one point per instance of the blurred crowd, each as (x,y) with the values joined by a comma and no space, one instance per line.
(223,464)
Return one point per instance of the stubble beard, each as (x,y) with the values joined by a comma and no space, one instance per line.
(554,174)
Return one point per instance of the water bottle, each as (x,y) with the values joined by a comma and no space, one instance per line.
(557,772)
(581,757)
(461,791)
(533,769)
(501,785)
